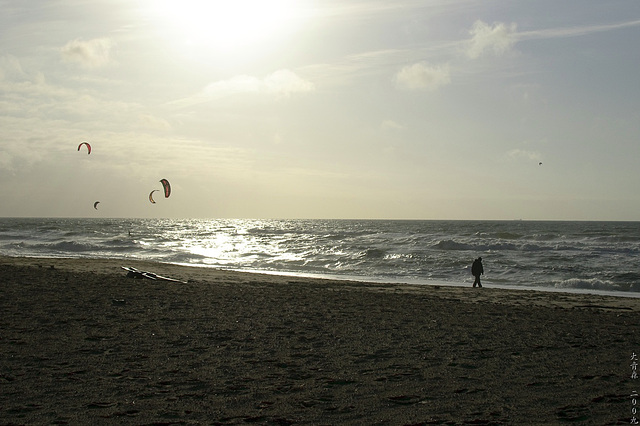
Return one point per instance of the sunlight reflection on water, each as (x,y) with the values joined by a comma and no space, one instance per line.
(579,255)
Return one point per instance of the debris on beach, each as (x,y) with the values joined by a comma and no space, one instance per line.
(137,274)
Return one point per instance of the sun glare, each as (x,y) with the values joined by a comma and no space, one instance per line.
(229,24)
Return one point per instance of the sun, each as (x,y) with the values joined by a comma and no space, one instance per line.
(230,24)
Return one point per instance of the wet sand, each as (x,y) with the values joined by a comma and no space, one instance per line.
(81,343)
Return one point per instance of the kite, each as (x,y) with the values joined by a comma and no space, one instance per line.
(88,147)
(95,205)
(151,196)
(167,187)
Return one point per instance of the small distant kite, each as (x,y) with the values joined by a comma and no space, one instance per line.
(167,187)
(540,163)
(151,196)
(95,205)
(88,147)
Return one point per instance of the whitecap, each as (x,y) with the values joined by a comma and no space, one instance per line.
(588,284)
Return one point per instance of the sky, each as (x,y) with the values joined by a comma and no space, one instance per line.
(404,109)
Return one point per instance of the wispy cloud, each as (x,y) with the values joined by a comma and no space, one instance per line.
(152,122)
(281,83)
(575,31)
(11,69)
(90,53)
(484,39)
(235,85)
(518,154)
(498,38)
(285,83)
(422,76)
(364,9)
(391,125)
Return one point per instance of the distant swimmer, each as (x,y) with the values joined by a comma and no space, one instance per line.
(476,271)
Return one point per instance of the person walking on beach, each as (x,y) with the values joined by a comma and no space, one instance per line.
(476,271)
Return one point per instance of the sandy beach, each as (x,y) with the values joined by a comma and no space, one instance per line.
(82,343)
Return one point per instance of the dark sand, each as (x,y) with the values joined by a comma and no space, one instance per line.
(81,343)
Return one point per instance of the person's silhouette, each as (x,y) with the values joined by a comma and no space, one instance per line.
(476,271)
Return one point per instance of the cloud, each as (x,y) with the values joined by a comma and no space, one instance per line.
(234,85)
(11,70)
(575,31)
(89,54)
(422,76)
(285,83)
(498,39)
(391,125)
(516,154)
(151,122)
(282,83)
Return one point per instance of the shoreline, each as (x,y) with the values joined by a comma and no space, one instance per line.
(152,265)
(82,343)
(432,283)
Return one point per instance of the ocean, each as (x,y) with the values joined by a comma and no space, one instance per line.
(591,257)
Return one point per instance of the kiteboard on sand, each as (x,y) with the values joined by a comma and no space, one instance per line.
(136,273)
